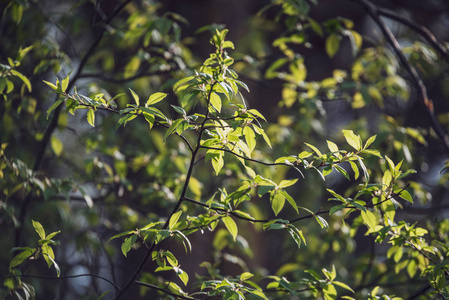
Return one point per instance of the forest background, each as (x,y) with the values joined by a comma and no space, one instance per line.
(219,149)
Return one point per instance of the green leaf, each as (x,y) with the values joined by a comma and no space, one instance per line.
(48,253)
(39,229)
(332,147)
(355,169)
(231,226)
(172,128)
(370,141)
(287,183)
(65,83)
(245,276)
(128,243)
(135,96)
(332,44)
(264,135)
(53,262)
(323,223)
(54,87)
(91,117)
(181,82)
(369,218)
(342,171)
(343,285)
(286,284)
(182,275)
(125,119)
(179,110)
(277,202)
(358,40)
(53,107)
(21,257)
(316,27)
(336,208)
(155,98)
(250,138)
(365,171)
(174,219)
(23,78)
(215,101)
(329,292)
(339,197)
(404,194)
(56,145)
(354,140)
(290,200)
(217,163)
(171,258)
(149,118)
(315,149)
(121,234)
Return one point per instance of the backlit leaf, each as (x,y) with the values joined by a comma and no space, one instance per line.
(277,202)
(91,117)
(332,44)
(135,97)
(56,145)
(39,229)
(155,98)
(231,226)
(173,219)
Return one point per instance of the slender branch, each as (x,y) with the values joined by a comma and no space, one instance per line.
(151,286)
(67,277)
(244,157)
(147,256)
(109,109)
(227,211)
(373,11)
(54,122)
(421,30)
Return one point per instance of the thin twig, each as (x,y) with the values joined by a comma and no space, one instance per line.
(67,277)
(374,12)
(154,287)
(421,30)
(195,152)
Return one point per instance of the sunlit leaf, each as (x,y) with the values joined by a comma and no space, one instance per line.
(91,117)
(231,226)
(332,44)
(155,98)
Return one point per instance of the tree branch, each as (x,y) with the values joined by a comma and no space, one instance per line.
(54,122)
(374,12)
(139,269)
(154,287)
(421,30)
(68,277)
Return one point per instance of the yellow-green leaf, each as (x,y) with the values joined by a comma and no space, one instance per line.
(23,78)
(155,98)
(332,44)
(39,229)
(174,218)
(277,202)
(56,145)
(91,117)
(215,101)
(231,226)
(135,96)
(369,218)
(354,140)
